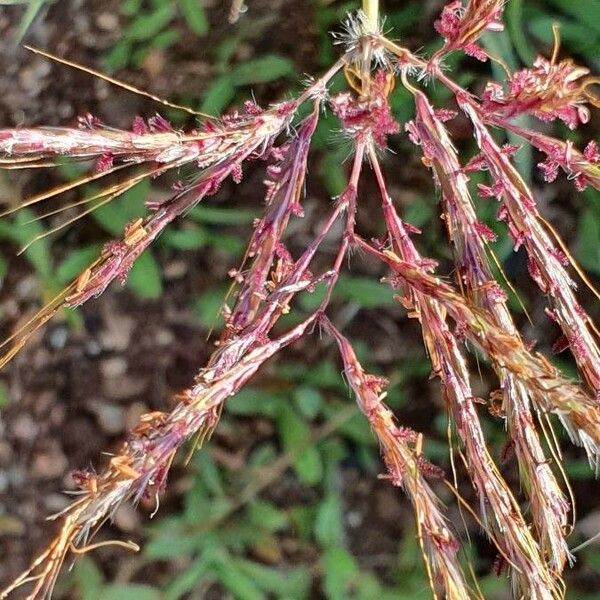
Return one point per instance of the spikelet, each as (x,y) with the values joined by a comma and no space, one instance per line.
(407,469)
(470,240)
(499,510)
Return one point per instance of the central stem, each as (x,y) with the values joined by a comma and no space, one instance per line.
(371,10)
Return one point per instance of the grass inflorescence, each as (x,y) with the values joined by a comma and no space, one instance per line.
(469,314)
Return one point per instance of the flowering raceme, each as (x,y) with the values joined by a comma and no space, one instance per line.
(467,315)
(461,26)
(548,91)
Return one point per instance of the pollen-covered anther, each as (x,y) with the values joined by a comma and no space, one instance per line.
(86,480)
(444,536)
(494,191)
(149,422)
(104,163)
(496,404)
(236,275)
(484,232)
(83,280)
(122,464)
(134,232)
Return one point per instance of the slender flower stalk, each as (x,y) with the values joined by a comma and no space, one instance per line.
(547,263)
(408,469)
(582,167)
(283,200)
(118,257)
(499,510)
(237,139)
(470,240)
(139,470)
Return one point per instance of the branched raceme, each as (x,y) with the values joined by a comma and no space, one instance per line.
(473,309)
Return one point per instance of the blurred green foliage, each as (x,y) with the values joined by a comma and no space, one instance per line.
(152,25)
